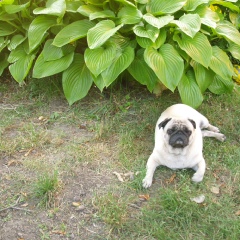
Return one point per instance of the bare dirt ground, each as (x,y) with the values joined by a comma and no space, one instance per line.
(33,145)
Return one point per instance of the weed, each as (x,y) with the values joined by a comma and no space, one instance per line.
(45,188)
(112,209)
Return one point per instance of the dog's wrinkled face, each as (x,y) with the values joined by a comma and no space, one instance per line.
(178,133)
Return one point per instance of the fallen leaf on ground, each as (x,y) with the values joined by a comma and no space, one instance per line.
(198,199)
(118,176)
(13,163)
(24,205)
(215,190)
(76,204)
(129,174)
(59,232)
(237,213)
(28,152)
(171,179)
(144,197)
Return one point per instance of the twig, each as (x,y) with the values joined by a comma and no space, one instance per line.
(14,207)
(22,209)
(134,205)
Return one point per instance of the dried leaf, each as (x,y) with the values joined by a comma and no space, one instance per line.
(24,205)
(59,232)
(144,197)
(198,199)
(237,213)
(42,119)
(28,152)
(118,176)
(129,174)
(13,163)
(76,204)
(171,179)
(215,189)
(80,208)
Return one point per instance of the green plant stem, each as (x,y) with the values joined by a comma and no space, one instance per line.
(14,25)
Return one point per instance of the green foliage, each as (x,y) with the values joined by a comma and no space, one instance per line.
(184,44)
(45,187)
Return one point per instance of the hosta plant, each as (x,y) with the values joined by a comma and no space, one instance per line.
(188,45)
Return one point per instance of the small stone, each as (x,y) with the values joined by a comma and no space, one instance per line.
(80,208)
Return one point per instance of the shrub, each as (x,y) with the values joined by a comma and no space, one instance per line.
(183,44)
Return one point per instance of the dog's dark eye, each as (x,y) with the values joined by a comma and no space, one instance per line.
(170,131)
(188,132)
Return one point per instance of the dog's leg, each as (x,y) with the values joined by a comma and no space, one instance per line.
(151,166)
(219,136)
(213,128)
(200,170)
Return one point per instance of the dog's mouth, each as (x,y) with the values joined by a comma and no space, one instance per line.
(178,144)
(178,140)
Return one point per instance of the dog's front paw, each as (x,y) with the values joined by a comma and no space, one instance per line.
(197,178)
(147,182)
(221,137)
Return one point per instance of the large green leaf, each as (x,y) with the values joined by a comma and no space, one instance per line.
(166,63)
(102,14)
(198,48)
(157,22)
(37,30)
(76,80)
(157,7)
(227,30)
(204,76)
(191,5)
(123,59)
(51,53)
(16,41)
(86,10)
(129,15)
(142,72)
(3,43)
(99,34)
(99,82)
(3,63)
(72,32)
(6,29)
(3,2)
(189,24)
(220,85)
(11,9)
(147,31)
(72,6)
(234,49)
(16,54)
(146,42)
(221,64)
(208,17)
(227,4)
(53,7)
(98,59)
(189,91)
(44,69)
(20,68)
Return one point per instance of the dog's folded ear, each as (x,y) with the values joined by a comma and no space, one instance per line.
(164,123)
(193,123)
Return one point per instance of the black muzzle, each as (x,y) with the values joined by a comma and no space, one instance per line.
(179,139)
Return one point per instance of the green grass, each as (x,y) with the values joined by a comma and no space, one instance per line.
(170,214)
(114,131)
(45,187)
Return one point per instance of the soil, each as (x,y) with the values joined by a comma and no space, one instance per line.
(72,214)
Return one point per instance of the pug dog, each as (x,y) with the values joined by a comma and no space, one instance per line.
(179,136)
